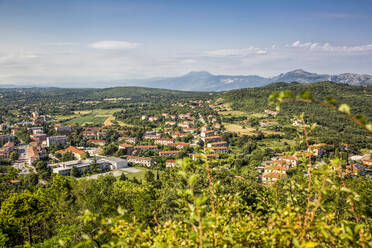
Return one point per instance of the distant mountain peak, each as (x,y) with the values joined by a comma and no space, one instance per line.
(198,73)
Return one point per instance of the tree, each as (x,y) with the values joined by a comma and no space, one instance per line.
(42,169)
(23,210)
(14,156)
(31,180)
(68,156)
(109,149)
(75,172)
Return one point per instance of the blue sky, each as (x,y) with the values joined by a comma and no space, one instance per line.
(55,41)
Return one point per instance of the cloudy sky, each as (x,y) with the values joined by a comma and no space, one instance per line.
(58,41)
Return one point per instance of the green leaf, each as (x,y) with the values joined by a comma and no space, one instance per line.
(274,95)
(344,108)
(310,244)
(121,210)
(369,126)
(192,179)
(306,95)
(286,94)
(277,107)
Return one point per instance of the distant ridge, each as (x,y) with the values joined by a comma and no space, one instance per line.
(205,81)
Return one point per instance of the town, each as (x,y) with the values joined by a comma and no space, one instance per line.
(130,141)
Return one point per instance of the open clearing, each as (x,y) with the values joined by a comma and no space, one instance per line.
(233,113)
(137,172)
(238,129)
(96,117)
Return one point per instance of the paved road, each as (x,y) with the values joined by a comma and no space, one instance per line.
(23,158)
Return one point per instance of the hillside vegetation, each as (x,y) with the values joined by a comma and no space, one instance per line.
(334,128)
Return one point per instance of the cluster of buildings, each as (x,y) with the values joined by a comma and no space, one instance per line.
(111,163)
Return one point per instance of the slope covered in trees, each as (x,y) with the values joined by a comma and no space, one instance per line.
(50,95)
(334,128)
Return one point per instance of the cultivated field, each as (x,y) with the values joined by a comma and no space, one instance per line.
(96,117)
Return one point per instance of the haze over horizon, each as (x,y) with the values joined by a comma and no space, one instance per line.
(81,41)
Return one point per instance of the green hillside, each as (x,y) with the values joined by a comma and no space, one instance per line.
(49,95)
(334,127)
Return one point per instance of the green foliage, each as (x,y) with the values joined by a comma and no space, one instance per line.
(331,123)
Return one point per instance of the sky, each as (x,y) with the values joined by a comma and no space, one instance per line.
(75,41)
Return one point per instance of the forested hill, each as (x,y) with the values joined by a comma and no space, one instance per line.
(34,95)
(334,127)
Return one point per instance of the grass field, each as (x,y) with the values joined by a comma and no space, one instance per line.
(96,117)
(139,175)
(238,129)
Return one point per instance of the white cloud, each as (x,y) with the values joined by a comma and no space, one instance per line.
(327,47)
(188,61)
(114,45)
(242,52)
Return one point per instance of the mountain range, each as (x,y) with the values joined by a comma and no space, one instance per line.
(205,81)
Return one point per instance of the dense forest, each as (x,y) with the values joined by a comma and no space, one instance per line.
(58,95)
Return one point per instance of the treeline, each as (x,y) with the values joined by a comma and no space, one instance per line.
(201,204)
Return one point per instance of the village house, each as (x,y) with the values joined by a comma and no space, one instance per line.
(6,137)
(170,163)
(355,168)
(150,136)
(271,112)
(219,149)
(97,142)
(297,122)
(272,173)
(160,141)
(131,140)
(183,124)
(146,148)
(6,150)
(170,123)
(217,126)
(178,135)
(317,149)
(55,140)
(189,130)
(35,153)
(178,145)
(215,144)
(64,129)
(212,156)
(79,154)
(122,132)
(64,168)
(143,117)
(293,160)
(367,162)
(147,161)
(127,147)
(204,128)
(153,118)
(168,153)
(207,133)
(211,139)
